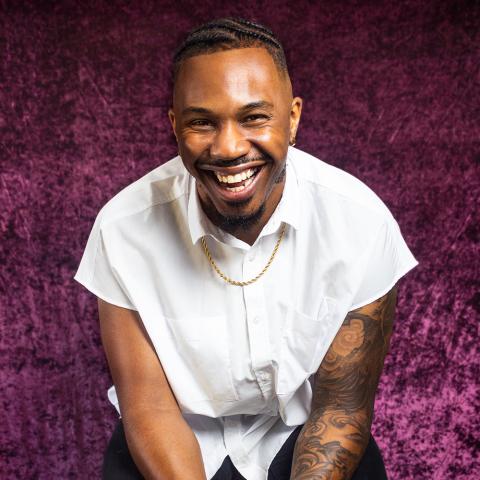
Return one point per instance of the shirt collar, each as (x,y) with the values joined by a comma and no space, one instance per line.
(288,210)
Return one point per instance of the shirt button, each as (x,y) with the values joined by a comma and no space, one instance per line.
(256,319)
(251,257)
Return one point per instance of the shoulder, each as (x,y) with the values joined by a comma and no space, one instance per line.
(162,185)
(336,185)
(345,216)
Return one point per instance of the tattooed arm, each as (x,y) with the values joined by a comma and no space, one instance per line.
(336,434)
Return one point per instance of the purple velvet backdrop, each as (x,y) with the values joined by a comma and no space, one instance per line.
(391,92)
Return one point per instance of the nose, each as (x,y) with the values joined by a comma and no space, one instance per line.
(228,143)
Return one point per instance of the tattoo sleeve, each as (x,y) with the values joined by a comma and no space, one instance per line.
(336,434)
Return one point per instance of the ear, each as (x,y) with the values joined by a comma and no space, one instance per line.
(171,117)
(295,114)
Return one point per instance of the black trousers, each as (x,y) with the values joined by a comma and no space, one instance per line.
(119,465)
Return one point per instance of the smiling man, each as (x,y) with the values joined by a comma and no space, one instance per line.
(233,125)
(246,289)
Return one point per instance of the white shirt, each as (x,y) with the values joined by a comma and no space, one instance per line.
(240,359)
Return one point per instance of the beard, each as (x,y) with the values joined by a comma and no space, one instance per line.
(234,223)
(240,222)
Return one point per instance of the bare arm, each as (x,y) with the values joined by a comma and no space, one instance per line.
(336,434)
(161,443)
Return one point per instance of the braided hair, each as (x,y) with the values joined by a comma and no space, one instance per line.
(228,34)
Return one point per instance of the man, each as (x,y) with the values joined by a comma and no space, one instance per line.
(246,290)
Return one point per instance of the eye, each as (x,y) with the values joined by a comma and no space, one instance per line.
(256,118)
(200,123)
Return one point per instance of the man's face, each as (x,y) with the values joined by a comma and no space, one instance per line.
(233,116)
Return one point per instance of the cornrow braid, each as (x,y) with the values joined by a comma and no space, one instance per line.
(228,34)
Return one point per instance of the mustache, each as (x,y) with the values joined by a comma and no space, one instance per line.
(235,161)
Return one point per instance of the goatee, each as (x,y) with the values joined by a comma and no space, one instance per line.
(240,222)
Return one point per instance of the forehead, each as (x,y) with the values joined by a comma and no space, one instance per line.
(234,77)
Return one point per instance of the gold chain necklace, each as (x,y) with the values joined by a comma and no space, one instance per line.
(248,282)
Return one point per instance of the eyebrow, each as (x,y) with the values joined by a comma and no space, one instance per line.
(199,110)
(245,108)
(259,104)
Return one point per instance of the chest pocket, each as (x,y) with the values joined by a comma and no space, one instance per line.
(204,366)
(303,344)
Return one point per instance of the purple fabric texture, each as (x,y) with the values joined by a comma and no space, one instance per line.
(391,94)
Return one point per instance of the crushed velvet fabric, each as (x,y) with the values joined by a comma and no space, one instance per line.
(391,92)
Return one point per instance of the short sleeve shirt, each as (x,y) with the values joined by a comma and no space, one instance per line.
(241,360)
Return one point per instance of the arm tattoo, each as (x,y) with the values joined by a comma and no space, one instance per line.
(335,436)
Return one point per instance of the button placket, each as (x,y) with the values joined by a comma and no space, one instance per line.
(257,322)
(250,265)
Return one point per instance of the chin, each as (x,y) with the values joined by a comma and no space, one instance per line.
(243,220)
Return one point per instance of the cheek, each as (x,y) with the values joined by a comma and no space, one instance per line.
(271,140)
(194,143)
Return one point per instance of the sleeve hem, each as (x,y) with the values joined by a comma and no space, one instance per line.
(403,271)
(101,295)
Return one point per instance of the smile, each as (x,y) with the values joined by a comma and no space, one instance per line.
(237,182)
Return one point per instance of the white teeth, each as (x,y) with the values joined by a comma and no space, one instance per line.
(239,177)
(240,187)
